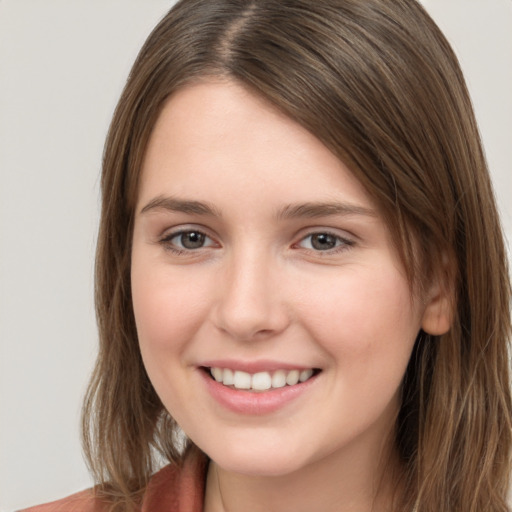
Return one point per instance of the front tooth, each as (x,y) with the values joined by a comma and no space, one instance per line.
(228,378)
(292,378)
(279,379)
(305,375)
(261,381)
(242,380)
(217,374)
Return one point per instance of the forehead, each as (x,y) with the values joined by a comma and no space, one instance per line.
(216,138)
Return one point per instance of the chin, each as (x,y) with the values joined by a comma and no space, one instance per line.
(272,458)
(260,466)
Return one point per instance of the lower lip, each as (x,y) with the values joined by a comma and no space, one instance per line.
(255,403)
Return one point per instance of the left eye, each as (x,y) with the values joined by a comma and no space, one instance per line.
(323,242)
(189,240)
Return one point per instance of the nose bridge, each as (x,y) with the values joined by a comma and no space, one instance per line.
(250,304)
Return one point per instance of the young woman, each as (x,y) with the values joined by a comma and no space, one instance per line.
(302,289)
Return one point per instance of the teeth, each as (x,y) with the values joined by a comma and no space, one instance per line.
(279,379)
(292,378)
(260,381)
(242,380)
(228,378)
(305,375)
(217,374)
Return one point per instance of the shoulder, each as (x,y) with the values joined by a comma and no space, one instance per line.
(175,488)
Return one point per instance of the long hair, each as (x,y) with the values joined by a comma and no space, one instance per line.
(378,84)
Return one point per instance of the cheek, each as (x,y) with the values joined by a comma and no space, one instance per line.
(168,313)
(366,321)
(168,308)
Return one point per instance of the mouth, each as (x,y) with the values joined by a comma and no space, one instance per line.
(260,381)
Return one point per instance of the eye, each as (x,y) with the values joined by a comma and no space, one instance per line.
(324,242)
(187,240)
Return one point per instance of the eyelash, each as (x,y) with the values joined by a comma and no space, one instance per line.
(166,241)
(342,243)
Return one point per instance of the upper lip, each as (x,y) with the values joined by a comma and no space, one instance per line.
(253,366)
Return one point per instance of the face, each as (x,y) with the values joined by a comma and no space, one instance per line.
(274,317)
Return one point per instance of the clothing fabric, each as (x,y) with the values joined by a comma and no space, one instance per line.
(172,489)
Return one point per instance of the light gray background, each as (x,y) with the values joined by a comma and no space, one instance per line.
(62,67)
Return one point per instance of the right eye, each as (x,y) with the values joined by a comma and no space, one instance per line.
(187,240)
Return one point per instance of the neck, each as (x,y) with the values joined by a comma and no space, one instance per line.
(347,481)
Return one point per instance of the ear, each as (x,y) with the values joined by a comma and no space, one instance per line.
(439,306)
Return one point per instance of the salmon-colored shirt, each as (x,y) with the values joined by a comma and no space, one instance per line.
(172,489)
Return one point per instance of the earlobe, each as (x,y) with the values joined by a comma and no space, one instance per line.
(438,313)
(436,320)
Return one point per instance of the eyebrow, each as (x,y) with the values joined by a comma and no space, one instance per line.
(308,210)
(314,210)
(181,205)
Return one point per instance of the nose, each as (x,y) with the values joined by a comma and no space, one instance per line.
(251,304)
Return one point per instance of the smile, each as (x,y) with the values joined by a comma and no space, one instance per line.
(259,387)
(261,381)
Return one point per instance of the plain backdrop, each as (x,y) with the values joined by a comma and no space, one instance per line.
(62,67)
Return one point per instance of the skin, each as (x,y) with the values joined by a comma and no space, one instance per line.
(258,289)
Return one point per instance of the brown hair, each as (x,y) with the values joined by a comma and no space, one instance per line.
(378,84)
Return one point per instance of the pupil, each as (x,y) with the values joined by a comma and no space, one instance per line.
(323,241)
(192,240)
